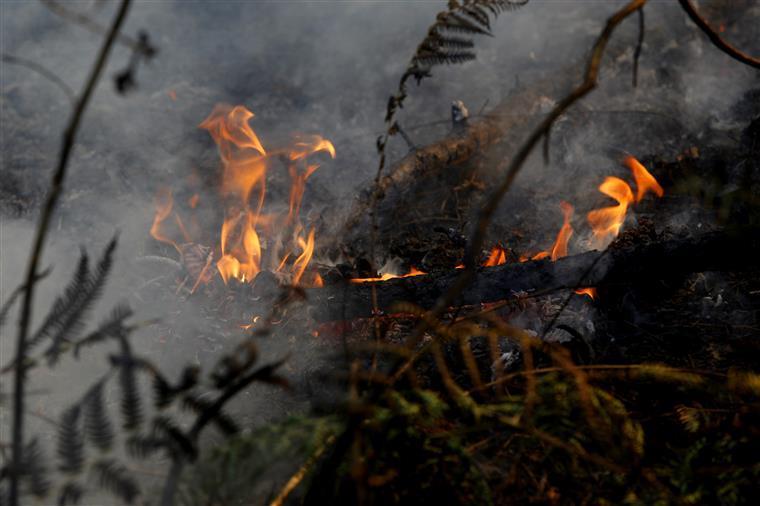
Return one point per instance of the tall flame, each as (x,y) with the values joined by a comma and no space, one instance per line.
(606,222)
(243,185)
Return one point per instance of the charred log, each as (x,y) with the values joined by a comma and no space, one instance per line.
(622,263)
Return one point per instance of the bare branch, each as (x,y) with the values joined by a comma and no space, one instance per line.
(716,39)
(56,188)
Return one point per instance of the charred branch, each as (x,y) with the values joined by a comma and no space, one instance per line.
(619,265)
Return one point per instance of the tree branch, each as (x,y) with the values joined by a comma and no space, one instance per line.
(716,39)
(56,188)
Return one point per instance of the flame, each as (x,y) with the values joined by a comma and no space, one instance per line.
(413,271)
(606,222)
(644,180)
(591,292)
(559,249)
(193,201)
(498,256)
(163,202)
(243,156)
(299,266)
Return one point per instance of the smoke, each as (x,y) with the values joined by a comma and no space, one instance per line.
(326,68)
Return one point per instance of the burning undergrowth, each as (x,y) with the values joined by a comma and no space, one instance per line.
(492,374)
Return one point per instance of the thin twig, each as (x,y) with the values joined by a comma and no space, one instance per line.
(637,52)
(91,25)
(716,39)
(56,188)
(44,72)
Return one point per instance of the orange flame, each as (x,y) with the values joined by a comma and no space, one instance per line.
(645,182)
(606,222)
(164,202)
(559,249)
(498,256)
(413,271)
(591,292)
(299,266)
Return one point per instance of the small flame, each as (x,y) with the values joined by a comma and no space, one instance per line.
(164,202)
(559,249)
(606,222)
(299,266)
(413,271)
(498,256)
(591,292)
(645,182)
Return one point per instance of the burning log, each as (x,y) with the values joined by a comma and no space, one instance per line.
(622,263)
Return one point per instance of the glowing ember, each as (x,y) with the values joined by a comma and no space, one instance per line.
(591,292)
(386,276)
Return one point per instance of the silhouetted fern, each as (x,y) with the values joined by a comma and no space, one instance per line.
(222,420)
(165,427)
(142,447)
(71,493)
(97,424)
(114,477)
(131,407)
(113,326)
(35,470)
(67,317)
(71,440)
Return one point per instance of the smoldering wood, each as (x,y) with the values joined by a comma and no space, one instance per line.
(462,144)
(628,263)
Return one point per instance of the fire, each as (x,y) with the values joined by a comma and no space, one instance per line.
(559,249)
(606,222)
(644,180)
(591,292)
(164,202)
(498,256)
(413,271)
(249,239)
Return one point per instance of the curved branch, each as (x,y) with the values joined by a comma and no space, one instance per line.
(56,188)
(44,72)
(716,39)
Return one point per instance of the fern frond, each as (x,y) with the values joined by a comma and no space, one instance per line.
(34,469)
(114,477)
(449,58)
(77,311)
(453,22)
(131,407)
(97,425)
(63,304)
(164,393)
(222,420)
(165,427)
(71,493)
(71,441)
(142,447)
(8,305)
(113,326)
(477,13)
